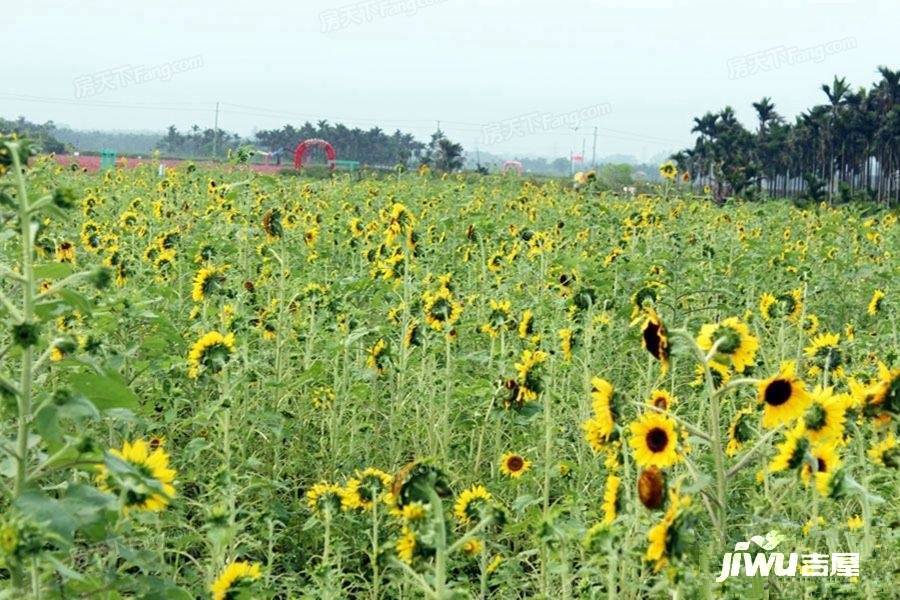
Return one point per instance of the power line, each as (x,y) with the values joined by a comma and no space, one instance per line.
(268,113)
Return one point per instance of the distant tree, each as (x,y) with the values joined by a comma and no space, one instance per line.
(442,154)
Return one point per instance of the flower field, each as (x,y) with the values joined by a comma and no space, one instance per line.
(228,384)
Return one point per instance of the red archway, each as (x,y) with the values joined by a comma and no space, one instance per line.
(304,147)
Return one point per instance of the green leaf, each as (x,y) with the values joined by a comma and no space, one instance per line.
(105,391)
(54,270)
(76,301)
(48,511)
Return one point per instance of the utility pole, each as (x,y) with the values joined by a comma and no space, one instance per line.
(594,151)
(216,133)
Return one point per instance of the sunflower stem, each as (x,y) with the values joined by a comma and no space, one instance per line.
(27,316)
(440,559)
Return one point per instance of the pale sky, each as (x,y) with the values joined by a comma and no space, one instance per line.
(638,70)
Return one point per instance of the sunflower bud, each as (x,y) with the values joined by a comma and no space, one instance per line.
(26,334)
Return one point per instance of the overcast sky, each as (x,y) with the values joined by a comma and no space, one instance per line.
(526,76)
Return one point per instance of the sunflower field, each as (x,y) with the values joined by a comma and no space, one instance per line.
(222,384)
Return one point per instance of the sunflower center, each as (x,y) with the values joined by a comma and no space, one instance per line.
(822,467)
(657,439)
(778,392)
(515,463)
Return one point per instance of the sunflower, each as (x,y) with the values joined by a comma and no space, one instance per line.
(668,171)
(875,303)
(791,450)
(611,499)
(789,305)
(731,338)
(377,359)
(237,575)
(470,503)
(271,224)
(654,339)
(566,341)
(720,374)
(885,393)
(740,431)
(514,465)
(324,498)
(654,440)
(661,535)
(810,324)
(824,419)
(783,396)
(827,463)
(473,547)
(498,319)
(661,399)
(153,465)
(529,384)
(644,298)
(886,452)
(824,354)
(441,309)
(652,488)
(599,429)
(526,324)
(210,353)
(412,336)
(206,281)
(413,512)
(65,252)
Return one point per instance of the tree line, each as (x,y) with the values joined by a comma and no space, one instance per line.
(847,148)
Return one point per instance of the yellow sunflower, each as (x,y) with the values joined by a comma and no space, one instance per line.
(514,465)
(207,280)
(739,431)
(875,303)
(783,396)
(153,465)
(611,499)
(824,354)
(668,171)
(791,450)
(237,574)
(210,353)
(733,339)
(660,535)
(788,305)
(654,339)
(885,453)
(470,502)
(441,309)
(827,463)
(406,545)
(824,419)
(473,547)
(324,497)
(885,393)
(566,341)
(654,440)
(661,399)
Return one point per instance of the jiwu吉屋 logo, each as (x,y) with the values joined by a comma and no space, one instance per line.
(762,563)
